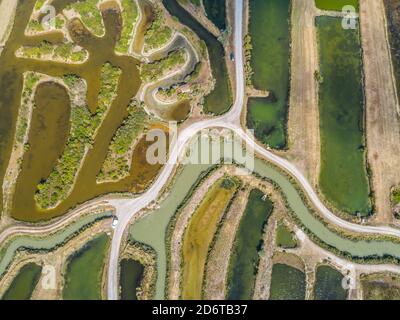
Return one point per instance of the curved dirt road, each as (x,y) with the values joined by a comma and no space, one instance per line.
(126,209)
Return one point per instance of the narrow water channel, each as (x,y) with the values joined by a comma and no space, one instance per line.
(220,99)
(152,228)
(8,251)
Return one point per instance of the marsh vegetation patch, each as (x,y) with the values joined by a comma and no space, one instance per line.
(199,235)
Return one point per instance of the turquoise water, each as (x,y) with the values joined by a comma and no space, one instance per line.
(151,229)
(38,243)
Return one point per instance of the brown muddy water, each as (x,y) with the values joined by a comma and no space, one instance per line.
(50,125)
(144,24)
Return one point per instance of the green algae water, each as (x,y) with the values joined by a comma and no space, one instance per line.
(270,60)
(200,233)
(84,273)
(336,5)
(47,137)
(328,284)
(101,50)
(21,288)
(287,283)
(151,229)
(216,12)
(248,242)
(343,176)
(131,276)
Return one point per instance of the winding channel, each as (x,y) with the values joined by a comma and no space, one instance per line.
(48,242)
(152,228)
(127,208)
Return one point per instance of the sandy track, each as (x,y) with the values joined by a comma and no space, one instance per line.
(218,263)
(54,225)
(123,208)
(382,122)
(7,10)
(126,209)
(303,112)
(314,255)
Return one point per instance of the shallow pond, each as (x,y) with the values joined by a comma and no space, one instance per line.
(270,36)
(328,284)
(131,276)
(343,176)
(84,272)
(54,105)
(287,283)
(21,288)
(248,243)
(152,228)
(49,242)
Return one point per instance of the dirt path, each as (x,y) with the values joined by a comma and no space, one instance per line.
(263,279)
(27,229)
(314,255)
(303,123)
(7,10)
(53,260)
(218,264)
(382,122)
